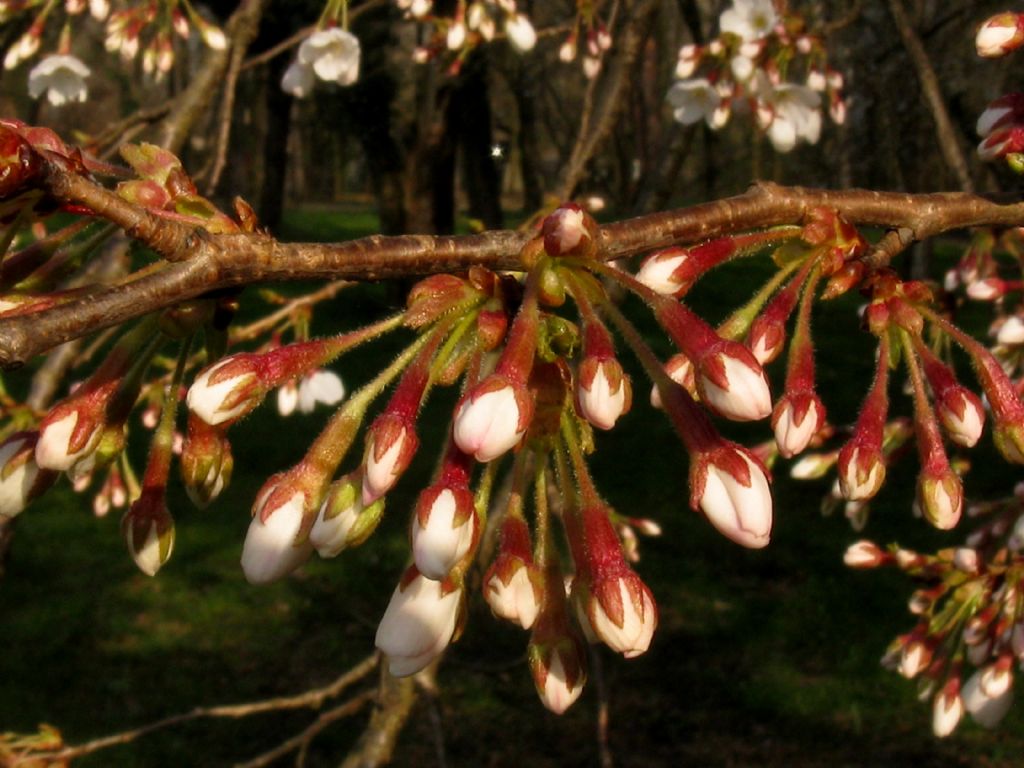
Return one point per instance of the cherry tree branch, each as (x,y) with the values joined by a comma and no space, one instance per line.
(197,262)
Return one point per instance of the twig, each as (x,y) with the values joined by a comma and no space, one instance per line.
(227,109)
(312,699)
(375,746)
(264,324)
(301,740)
(932,92)
(597,675)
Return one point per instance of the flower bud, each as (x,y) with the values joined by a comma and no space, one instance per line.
(620,609)
(987,289)
(941,497)
(998,35)
(947,709)
(986,710)
(861,471)
(915,657)
(206,462)
(68,436)
(658,270)
(680,370)
(226,391)
(603,391)
(864,554)
(273,548)
(513,586)
(492,418)
(520,32)
(444,529)
(1011,331)
(390,445)
(569,231)
(797,418)
(21,479)
(962,415)
(343,521)
(732,490)
(419,622)
(148,529)
(733,384)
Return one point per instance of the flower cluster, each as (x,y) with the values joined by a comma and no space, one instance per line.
(470,25)
(751,66)
(146,28)
(969,634)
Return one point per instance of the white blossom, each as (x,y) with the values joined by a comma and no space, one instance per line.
(61,78)
(332,54)
(749,19)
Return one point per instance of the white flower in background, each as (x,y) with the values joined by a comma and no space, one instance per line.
(319,387)
(521,33)
(298,80)
(793,112)
(742,68)
(61,78)
(693,100)
(332,54)
(749,19)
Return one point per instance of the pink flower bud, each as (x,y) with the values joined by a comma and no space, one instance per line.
(226,391)
(492,418)
(21,479)
(343,522)
(444,529)
(797,418)
(861,471)
(733,384)
(864,554)
(941,498)
(732,490)
(947,709)
(603,392)
(390,445)
(962,415)
(273,545)
(148,529)
(419,622)
(206,462)
(620,610)
(986,710)
(998,35)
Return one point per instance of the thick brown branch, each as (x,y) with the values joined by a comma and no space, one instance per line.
(209,262)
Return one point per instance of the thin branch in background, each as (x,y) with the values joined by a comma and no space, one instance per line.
(945,133)
(300,742)
(226,117)
(117,133)
(264,324)
(604,752)
(312,699)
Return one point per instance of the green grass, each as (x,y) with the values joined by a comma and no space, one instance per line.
(765,658)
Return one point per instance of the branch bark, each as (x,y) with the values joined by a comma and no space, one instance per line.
(199,262)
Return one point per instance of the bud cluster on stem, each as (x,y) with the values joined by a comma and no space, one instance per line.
(861,461)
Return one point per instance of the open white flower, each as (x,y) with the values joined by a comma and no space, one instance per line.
(694,100)
(332,54)
(61,78)
(298,80)
(318,387)
(793,111)
(749,19)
